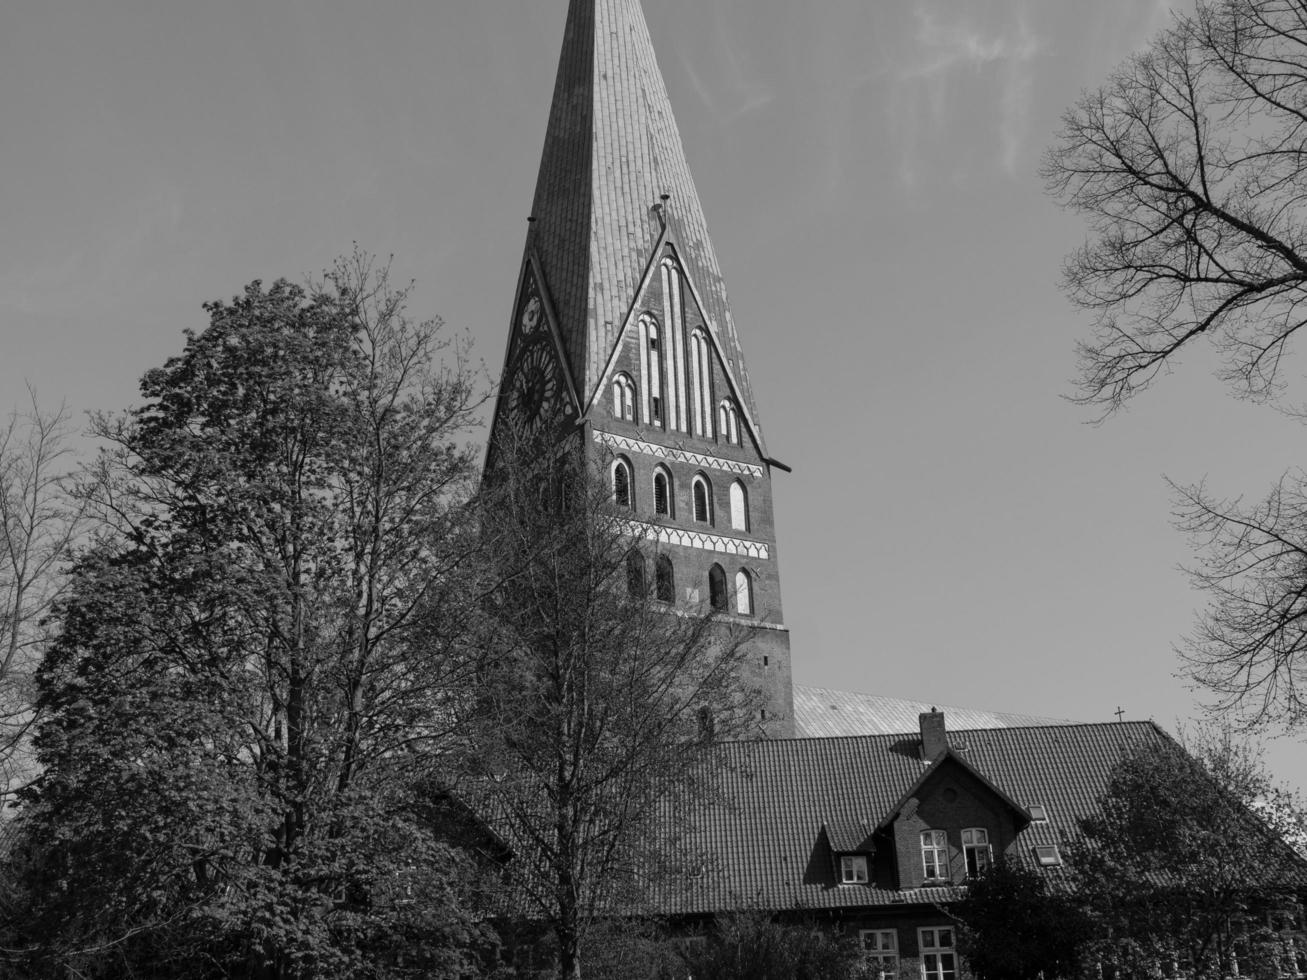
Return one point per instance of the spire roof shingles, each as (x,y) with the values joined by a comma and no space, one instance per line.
(612,150)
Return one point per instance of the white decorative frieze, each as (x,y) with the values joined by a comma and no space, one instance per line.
(623,444)
(696,539)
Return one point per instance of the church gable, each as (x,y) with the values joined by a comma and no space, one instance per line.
(536,393)
(667,370)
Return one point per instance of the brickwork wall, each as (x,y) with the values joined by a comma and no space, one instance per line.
(768,645)
(952,801)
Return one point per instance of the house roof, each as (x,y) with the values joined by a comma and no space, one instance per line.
(612,150)
(779,808)
(823,713)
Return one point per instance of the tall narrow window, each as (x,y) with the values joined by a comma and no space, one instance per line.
(665,580)
(939,960)
(717,587)
(700,384)
(655,375)
(624,397)
(739,506)
(975,847)
(702,500)
(635,586)
(743,593)
(662,487)
(934,855)
(674,373)
(728,421)
(622,483)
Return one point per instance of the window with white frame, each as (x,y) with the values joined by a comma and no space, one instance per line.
(880,948)
(624,397)
(1039,813)
(622,483)
(728,421)
(853,869)
(934,855)
(743,593)
(717,588)
(655,356)
(1047,856)
(939,959)
(702,493)
(976,850)
(700,384)
(739,507)
(662,487)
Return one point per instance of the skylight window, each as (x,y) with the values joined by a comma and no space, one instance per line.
(1047,855)
(1039,813)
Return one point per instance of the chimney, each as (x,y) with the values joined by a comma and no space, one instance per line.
(934,737)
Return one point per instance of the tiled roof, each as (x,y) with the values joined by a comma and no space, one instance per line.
(821,713)
(611,151)
(780,807)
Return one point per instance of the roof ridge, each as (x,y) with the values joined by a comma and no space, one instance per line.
(999,732)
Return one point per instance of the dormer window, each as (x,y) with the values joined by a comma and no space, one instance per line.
(853,869)
(975,848)
(934,856)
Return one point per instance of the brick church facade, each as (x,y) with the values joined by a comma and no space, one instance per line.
(872,809)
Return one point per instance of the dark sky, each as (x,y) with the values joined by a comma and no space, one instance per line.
(953,531)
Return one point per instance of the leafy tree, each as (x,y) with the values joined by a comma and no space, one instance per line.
(753,947)
(1179,867)
(39,522)
(595,699)
(1017,924)
(1188,166)
(257,668)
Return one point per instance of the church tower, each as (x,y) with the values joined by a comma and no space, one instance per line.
(622,336)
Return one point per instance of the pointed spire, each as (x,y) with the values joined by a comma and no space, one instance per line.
(612,153)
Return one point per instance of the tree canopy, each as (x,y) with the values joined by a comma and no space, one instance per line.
(252,686)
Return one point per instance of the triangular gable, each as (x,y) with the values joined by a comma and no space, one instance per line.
(933,770)
(668,239)
(534,313)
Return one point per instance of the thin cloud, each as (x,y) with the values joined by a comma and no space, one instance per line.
(949,61)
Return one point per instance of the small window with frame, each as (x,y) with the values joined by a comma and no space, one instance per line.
(853,869)
(880,949)
(1048,856)
(1038,813)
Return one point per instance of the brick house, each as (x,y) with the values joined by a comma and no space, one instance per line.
(882,832)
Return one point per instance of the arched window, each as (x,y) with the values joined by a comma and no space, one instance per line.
(728,421)
(622,484)
(665,580)
(717,588)
(702,490)
(624,397)
(700,384)
(739,506)
(635,586)
(743,593)
(655,373)
(662,487)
